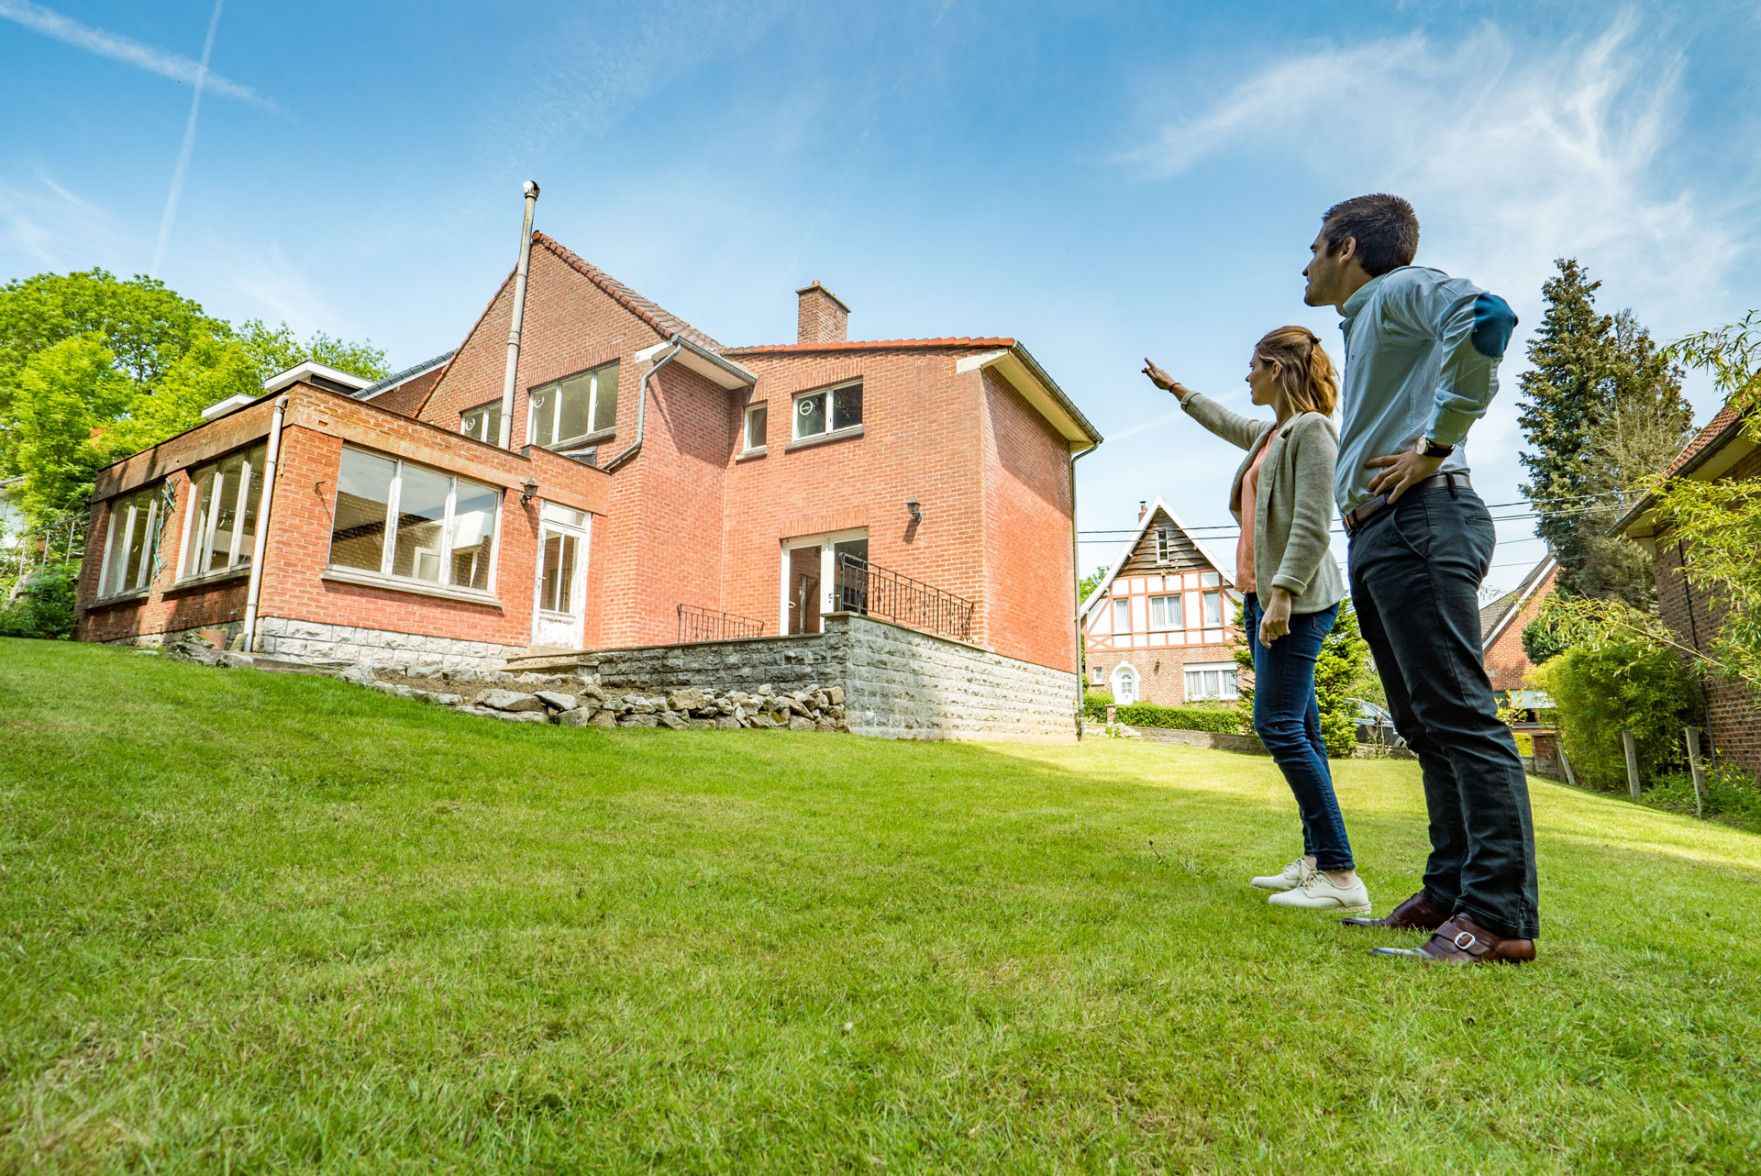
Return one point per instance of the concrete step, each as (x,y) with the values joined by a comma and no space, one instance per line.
(551,660)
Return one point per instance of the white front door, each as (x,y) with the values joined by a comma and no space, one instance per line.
(1124,685)
(559,607)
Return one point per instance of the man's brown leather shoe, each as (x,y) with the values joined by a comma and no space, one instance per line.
(1463,941)
(1417,913)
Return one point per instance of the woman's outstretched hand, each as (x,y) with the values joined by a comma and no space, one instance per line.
(1164,381)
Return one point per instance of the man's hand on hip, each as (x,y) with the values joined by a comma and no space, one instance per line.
(1401,472)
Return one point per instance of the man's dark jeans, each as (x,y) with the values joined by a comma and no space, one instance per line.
(1289,723)
(1416,569)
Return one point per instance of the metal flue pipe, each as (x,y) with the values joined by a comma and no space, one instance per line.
(507,383)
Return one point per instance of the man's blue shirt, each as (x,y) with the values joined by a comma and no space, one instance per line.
(1421,359)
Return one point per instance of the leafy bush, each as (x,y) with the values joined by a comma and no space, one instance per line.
(1221,719)
(1732,796)
(1618,685)
(45,609)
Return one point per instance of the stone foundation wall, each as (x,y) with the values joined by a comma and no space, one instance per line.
(407,652)
(898,683)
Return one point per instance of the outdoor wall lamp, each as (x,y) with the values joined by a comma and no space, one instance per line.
(916,509)
(527,489)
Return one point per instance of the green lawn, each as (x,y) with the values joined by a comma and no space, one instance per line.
(255,921)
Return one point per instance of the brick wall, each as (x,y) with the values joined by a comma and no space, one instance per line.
(1030,573)
(1733,712)
(922,439)
(1507,663)
(1161,673)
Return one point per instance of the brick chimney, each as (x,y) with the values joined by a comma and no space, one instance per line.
(823,316)
(1143,508)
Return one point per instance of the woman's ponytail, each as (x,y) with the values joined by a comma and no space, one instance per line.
(1306,373)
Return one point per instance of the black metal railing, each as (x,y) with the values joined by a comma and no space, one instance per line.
(706,624)
(862,587)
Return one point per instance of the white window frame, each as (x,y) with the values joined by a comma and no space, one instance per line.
(486,411)
(752,410)
(388,554)
(1205,599)
(131,514)
(1121,609)
(192,563)
(1164,544)
(829,394)
(1229,681)
(556,408)
(1176,617)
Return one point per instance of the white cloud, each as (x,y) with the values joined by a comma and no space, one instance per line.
(279,290)
(1514,154)
(126,50)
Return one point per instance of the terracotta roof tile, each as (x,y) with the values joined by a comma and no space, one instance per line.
(959,341)
(661,320)
(1715,428)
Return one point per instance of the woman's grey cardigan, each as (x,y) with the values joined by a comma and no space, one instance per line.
(1294,505)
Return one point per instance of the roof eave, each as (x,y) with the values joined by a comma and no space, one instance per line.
(1018,366)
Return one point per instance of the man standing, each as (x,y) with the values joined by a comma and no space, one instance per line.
(1421,366)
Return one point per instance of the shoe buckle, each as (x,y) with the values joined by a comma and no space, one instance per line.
(1471,943)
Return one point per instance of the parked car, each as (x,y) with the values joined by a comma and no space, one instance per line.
(1375,725)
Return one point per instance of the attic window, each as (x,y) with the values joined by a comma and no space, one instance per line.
(1164,544)
(570,411)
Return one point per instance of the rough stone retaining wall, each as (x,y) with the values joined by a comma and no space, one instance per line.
(316,641)
(898,683)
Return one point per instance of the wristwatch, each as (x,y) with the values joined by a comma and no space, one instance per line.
(1430,448)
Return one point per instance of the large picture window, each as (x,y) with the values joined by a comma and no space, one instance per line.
(413,523)
(572,410)
(220,523)
(830,410)
(482,423)
(1216,681)
(130,544)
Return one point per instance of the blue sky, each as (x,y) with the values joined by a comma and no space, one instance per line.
(1100,180)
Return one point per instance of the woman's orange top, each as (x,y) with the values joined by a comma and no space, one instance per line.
(1250,485)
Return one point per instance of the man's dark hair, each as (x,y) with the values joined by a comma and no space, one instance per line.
(1385,228)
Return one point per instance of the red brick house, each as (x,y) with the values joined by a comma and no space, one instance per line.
(1724,449)
(1160,627)
(1502,623)
(654,487)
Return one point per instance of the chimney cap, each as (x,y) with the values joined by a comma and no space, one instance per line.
(816,284)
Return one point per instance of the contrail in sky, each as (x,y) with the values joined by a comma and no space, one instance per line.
(118,48)
(189,144)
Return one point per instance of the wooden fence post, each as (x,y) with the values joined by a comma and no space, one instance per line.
(1692,734)
(1632,763)
(1564,762)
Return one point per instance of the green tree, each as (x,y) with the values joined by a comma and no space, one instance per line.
(1602,410)
(275,349)
(65,398)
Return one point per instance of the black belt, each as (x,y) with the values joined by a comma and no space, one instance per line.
(1353,519)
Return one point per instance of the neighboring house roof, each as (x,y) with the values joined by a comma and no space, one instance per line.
(1714,449)
(1143,525)
(403,377)
(662,320)
(1496,617)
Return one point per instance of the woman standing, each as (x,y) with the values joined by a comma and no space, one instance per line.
(1283,498)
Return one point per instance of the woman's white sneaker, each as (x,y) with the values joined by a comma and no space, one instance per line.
(1315,891)
(1289,878)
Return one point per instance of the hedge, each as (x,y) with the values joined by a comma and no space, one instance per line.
(1220,720)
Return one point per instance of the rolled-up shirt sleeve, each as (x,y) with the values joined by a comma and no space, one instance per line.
(1473,328)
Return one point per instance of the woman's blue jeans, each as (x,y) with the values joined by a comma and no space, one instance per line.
(1288,722)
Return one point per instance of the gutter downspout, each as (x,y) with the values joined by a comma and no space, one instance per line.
(1076,574)
(635,446)
(507,383)
(254,591)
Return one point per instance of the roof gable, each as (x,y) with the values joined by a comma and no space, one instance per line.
(1495,618)
(662,320)
(1196,553)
